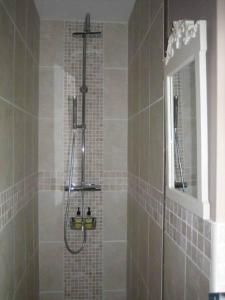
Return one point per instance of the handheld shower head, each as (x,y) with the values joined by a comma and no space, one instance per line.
(175,111)
(87,23)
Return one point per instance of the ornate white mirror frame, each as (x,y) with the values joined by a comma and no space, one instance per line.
(188,44)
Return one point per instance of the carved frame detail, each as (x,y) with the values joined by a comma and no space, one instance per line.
(182,32)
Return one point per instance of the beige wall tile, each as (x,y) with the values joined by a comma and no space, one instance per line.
(115,145)
(50,216)
(31,292)
(29,84)
(35,123)
(6,262)
(51,145)
(20,57)
(197,285)
(51,92)
(6,55)
(142,244)
(145,16)
(115,37)
(133,147)
(134,287)
(21,291)
(156,58)
(32,33)
(114,265)
(115,295)
(130,218)
(36,229)
(155,6)
(29,230)
(155,260)
(52,296)
(174,271)
(20,245)
(51,266)
(29,145)
(6,142)
(136,82)
(52,41)
(19,143)
(36,275)
(21,16)
(114,215)
(10,6)
(115,94)
(36,90)
(144,73)
(156,145)
(145,151)
(143,292)
(135,239)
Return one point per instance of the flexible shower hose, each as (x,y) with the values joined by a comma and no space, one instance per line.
(66,217)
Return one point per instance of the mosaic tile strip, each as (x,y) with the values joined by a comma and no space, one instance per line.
(15,198)
(83,272)
(191,233)
(147,196)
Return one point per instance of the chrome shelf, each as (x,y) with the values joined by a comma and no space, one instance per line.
(86,187)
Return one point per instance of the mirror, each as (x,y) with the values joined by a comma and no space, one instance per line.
(186,110)
(185,140)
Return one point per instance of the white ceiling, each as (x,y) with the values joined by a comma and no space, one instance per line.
(100,10)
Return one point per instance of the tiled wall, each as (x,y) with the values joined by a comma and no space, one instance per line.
(115,161)
(51,160)
(93,272)
(19,59)
(187,237)
(83,272)
(145,150)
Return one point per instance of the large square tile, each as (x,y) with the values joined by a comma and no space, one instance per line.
(197,285)
(114,215)
(115,145)
(6,142)
(156,159)
(174,271)
(6,55)
(115,45)
(51,266)
(114,265)
(115,94)
(52,43)
(50,215)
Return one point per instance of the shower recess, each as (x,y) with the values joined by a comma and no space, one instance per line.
(81,221)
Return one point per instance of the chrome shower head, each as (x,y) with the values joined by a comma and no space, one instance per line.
(87,30)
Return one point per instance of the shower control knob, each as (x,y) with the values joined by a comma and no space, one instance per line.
(89,211)
(84,89)
(78,211)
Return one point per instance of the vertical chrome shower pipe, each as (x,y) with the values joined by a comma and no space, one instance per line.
(84,90)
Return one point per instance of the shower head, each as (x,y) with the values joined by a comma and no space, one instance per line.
(87,30)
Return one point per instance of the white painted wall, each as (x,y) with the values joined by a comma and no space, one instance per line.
(100,10)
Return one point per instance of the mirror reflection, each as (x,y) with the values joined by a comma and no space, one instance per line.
(185,139)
